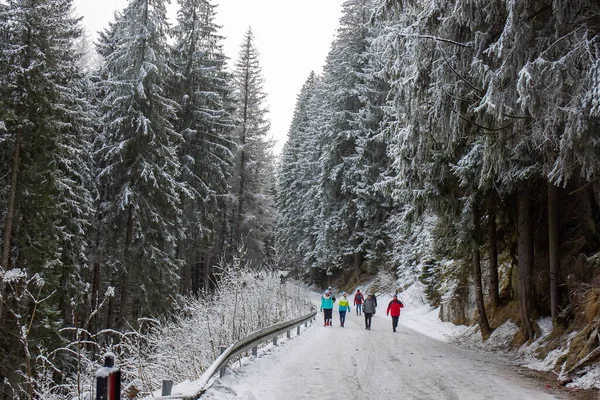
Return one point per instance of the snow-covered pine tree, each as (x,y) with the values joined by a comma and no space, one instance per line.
(46,203)
(433,95)
(338,244)
(563,49)
(139,164)
(252,212)
(203,87)
(373,200)
(293,183)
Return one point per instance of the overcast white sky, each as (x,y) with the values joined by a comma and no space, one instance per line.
(293,38)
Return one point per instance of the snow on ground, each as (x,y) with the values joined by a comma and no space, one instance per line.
(418,362)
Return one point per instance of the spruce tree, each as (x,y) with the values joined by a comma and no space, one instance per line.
(47,205)
(340,241)
(252,212)
(203,87)
(294,180)
(139,167)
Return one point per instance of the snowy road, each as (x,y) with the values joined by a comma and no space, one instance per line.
(351,362)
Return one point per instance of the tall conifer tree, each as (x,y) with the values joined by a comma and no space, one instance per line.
(46,203)
(139,164)
(252,214)
(203,87)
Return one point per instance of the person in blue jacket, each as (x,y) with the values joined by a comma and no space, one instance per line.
(327,307)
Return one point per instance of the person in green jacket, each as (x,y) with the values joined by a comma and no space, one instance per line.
(343,307)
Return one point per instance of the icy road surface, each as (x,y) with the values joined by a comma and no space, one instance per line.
(351,362)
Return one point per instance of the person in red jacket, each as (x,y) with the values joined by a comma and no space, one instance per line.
(358,300)
(393,309)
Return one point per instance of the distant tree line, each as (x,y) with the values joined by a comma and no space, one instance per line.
(125,180)
(453,130)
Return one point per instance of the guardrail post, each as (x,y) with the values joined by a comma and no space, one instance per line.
(167,385)
(289,334)
(298,330)
(306,324)
(222,370)
(108,380)
(255,351)
(275,341)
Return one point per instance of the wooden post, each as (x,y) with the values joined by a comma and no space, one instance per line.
(108,380)
(167,385)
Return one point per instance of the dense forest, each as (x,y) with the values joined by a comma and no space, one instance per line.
(453,141)
(456,141)
(124,181)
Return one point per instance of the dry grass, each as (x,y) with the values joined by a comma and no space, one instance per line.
(582,345)
(592,304)
(506,312)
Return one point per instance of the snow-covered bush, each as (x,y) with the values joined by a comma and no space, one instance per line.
(182,345)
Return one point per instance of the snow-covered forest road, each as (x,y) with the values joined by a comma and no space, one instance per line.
(351,362)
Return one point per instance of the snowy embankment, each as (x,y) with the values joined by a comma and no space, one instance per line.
(417,362)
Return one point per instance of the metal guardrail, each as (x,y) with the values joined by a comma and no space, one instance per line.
(249,342)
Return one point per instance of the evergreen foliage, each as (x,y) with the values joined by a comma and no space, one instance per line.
(439,135)
(470,112)
(139,167)
(203,88)
(252,206)
(46,195)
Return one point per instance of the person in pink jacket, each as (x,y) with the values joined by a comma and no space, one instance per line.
(393,309)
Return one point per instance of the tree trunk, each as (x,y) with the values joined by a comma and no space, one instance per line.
(553,248)
(525,259)
(207,271)
(584,197)
(240,205)
(110,312)
(494,289)
(10,213)
(242,139)
(95,296)
(357,264)
(12,195)
(127,278)
(484,325)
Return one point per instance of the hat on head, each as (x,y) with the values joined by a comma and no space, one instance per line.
(358,290)
(329,288)
(395,295)
(343,293)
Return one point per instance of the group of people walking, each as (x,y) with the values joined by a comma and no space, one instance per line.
(364,306)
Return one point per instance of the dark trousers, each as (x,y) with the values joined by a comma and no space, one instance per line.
(368,317)
(342,317)
(327,314)
(395,322)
